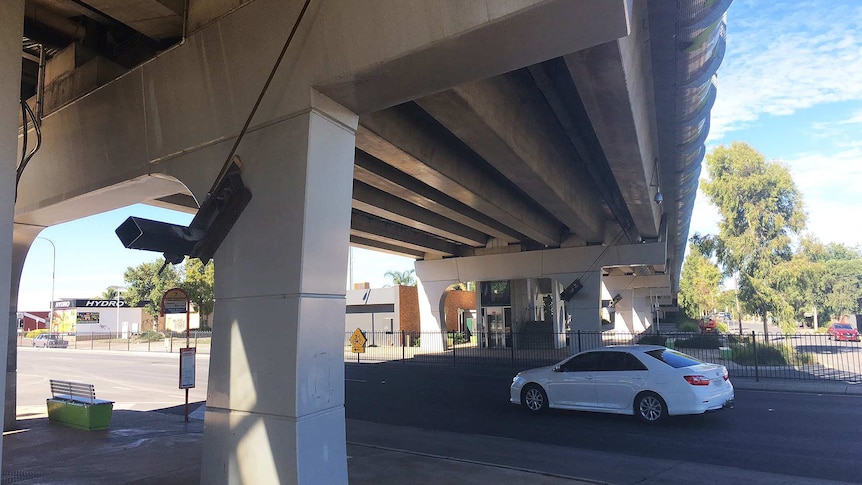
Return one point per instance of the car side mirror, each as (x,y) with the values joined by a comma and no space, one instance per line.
(558,369)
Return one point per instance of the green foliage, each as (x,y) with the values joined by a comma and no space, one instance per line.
(699,284)
(459,338)
(199,283)
(402,278)
(652,339)
(698,342)
(151,336)
(761,211)
(721,327)
(146,285)
(770,354)
(687,326)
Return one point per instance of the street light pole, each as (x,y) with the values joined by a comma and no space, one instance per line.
(118,289)
(53,279)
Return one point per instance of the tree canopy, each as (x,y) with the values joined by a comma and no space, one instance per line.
(145,284)
(403,278)
(699,284)
(782,270)
(199,283)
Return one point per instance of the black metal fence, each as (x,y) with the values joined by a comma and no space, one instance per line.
(144,342)
(803,356)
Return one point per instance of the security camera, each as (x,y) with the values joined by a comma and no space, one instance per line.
(658,198)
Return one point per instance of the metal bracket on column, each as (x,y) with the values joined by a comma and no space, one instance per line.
(571,290)
(214,220)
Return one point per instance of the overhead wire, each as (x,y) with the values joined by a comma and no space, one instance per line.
(25,157)
(242,132)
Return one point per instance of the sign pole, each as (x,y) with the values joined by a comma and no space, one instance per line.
(176,300)
(187,346)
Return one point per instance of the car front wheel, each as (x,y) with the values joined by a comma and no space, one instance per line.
(533,398)
(650,407)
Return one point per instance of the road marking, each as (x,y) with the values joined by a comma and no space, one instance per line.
(355,380)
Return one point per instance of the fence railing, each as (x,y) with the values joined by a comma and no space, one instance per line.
(804,356)
(145,342)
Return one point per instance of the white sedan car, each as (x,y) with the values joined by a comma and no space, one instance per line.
(648,381)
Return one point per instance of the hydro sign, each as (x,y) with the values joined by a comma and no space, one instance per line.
(95,304)
(98,303)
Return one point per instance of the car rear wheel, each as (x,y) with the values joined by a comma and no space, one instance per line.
(650,407)
(533,398)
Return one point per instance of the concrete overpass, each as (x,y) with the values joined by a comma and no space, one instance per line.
(488,140)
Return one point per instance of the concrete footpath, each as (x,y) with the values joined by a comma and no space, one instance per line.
(159,447)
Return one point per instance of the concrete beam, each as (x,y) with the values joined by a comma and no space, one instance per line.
(368,227)
(376,202)
(383,247)
(562,264)
(614,81)
(636,282)
(506,120)
(400,137)
(387,178)
(156,19)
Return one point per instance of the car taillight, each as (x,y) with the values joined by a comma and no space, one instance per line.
(725,375)
(697,380)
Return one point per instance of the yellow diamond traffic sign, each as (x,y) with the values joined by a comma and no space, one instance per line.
(358,340)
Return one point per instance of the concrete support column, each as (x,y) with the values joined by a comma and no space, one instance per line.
(22,238)
(584,310)
(11,29)
(560,315)
(642,314)
(431,313)
(275,402)
(624,320)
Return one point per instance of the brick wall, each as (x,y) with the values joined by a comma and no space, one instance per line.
(465,300)
(408,298)
(409,303)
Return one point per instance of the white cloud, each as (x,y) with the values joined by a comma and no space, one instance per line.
(830,191)
(786,56)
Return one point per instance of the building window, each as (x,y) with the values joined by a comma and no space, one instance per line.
(495,293)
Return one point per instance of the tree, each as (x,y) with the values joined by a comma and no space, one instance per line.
(761,211)
(699,284)
(145,284)
(403,278)
(110,293)
(199,283)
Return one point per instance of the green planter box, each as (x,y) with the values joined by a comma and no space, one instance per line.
(725,353)
(90,417)
(669,343)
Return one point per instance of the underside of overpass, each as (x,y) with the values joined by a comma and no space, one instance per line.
(478,129)
(570,151)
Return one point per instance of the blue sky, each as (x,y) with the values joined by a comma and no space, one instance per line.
(91,258)
(790,85)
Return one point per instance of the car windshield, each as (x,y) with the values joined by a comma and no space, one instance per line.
(673,358)
(844,327)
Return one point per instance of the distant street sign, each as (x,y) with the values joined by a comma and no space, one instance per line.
(358,340)
(175,301)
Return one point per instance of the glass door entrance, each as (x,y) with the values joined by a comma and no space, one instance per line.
(499,325)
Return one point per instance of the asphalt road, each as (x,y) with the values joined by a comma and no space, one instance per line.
(804,435)
(136,381)
(429,409)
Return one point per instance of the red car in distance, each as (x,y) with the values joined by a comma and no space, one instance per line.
(843,331)
(708,324)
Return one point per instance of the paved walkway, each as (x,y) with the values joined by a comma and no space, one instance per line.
(158,447)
